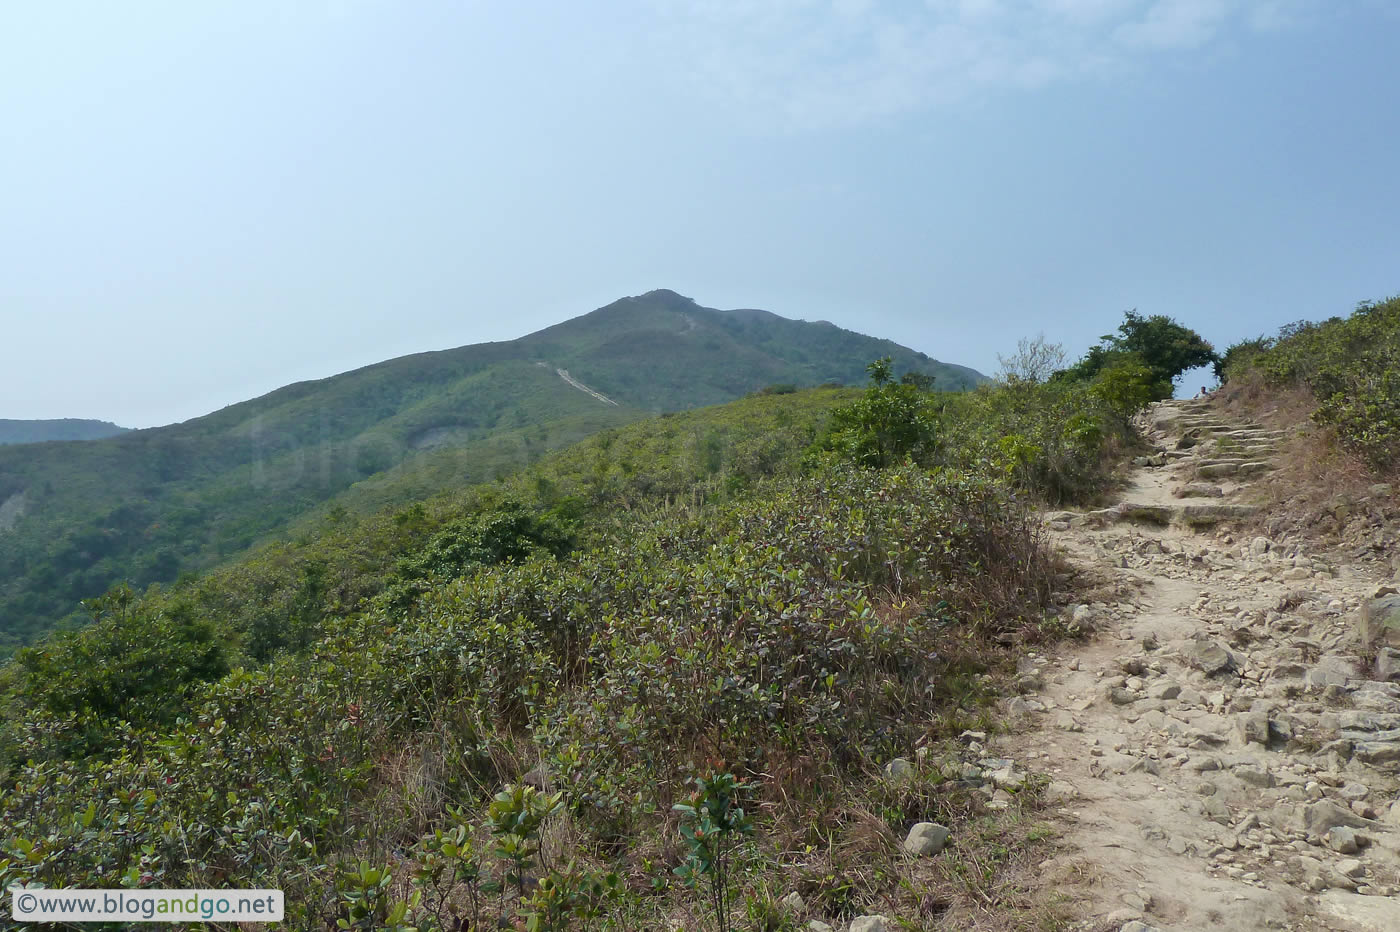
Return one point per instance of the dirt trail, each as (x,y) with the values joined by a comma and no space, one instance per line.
(1221,758)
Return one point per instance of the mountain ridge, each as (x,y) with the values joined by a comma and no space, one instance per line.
(46,430)
(147,505)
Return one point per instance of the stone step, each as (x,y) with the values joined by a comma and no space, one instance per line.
(1192,515)
(1206,515)
(1204,431)
(1252,451)
(1225,468)
(1200,490)
(1233,452)
(1248,443)
(1061,520)
(1146,514)
(1232,430)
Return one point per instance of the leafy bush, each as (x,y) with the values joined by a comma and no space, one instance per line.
(1127,386)
(891,422)
(712,823)
(508,533)
(1058,441)
(1239,355)
(131,665)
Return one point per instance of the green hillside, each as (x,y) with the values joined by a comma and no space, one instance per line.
(149,505)
(68,428)
(792,589)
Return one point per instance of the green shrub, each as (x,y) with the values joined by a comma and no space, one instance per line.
(1127,386)
(712,824)
(1240,355)
(131,665)
(508,533)
(1350,365)
(893,421)
(1058,441)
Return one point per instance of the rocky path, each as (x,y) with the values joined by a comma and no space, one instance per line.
(1225,752)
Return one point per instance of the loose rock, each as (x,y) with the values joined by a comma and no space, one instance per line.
(1211,657)
(926,839)
(870,924)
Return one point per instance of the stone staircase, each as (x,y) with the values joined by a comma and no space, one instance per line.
(1227,750)
(1198,453)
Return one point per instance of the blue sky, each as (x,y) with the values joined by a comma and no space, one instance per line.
(205,201)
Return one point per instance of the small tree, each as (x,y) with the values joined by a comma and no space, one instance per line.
(1035,360)
(1164,346)
(892,421)
(712,823)
(1167,347)
(516,815)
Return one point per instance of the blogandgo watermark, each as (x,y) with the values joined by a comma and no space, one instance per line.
(30,905)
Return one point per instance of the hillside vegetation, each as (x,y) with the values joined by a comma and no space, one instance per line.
(68,428)
(1350,366)
(666,660)
(149,505)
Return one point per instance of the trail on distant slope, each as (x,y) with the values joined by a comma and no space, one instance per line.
(1219,758)
(564,374)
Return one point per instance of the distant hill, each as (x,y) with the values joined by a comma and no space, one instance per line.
(68,428)
(147,505)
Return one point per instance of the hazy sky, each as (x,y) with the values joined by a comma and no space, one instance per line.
(200,202)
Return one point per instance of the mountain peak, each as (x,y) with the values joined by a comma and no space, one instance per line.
(665,296)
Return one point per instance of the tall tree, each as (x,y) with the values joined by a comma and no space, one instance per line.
(1164,346)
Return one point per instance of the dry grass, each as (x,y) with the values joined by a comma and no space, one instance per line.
(1314,491)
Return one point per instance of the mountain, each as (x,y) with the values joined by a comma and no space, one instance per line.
(148,505)
(68,428)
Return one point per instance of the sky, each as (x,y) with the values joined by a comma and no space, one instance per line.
(201,202)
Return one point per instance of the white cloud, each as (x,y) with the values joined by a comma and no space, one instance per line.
(1169,24)
(821,63)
